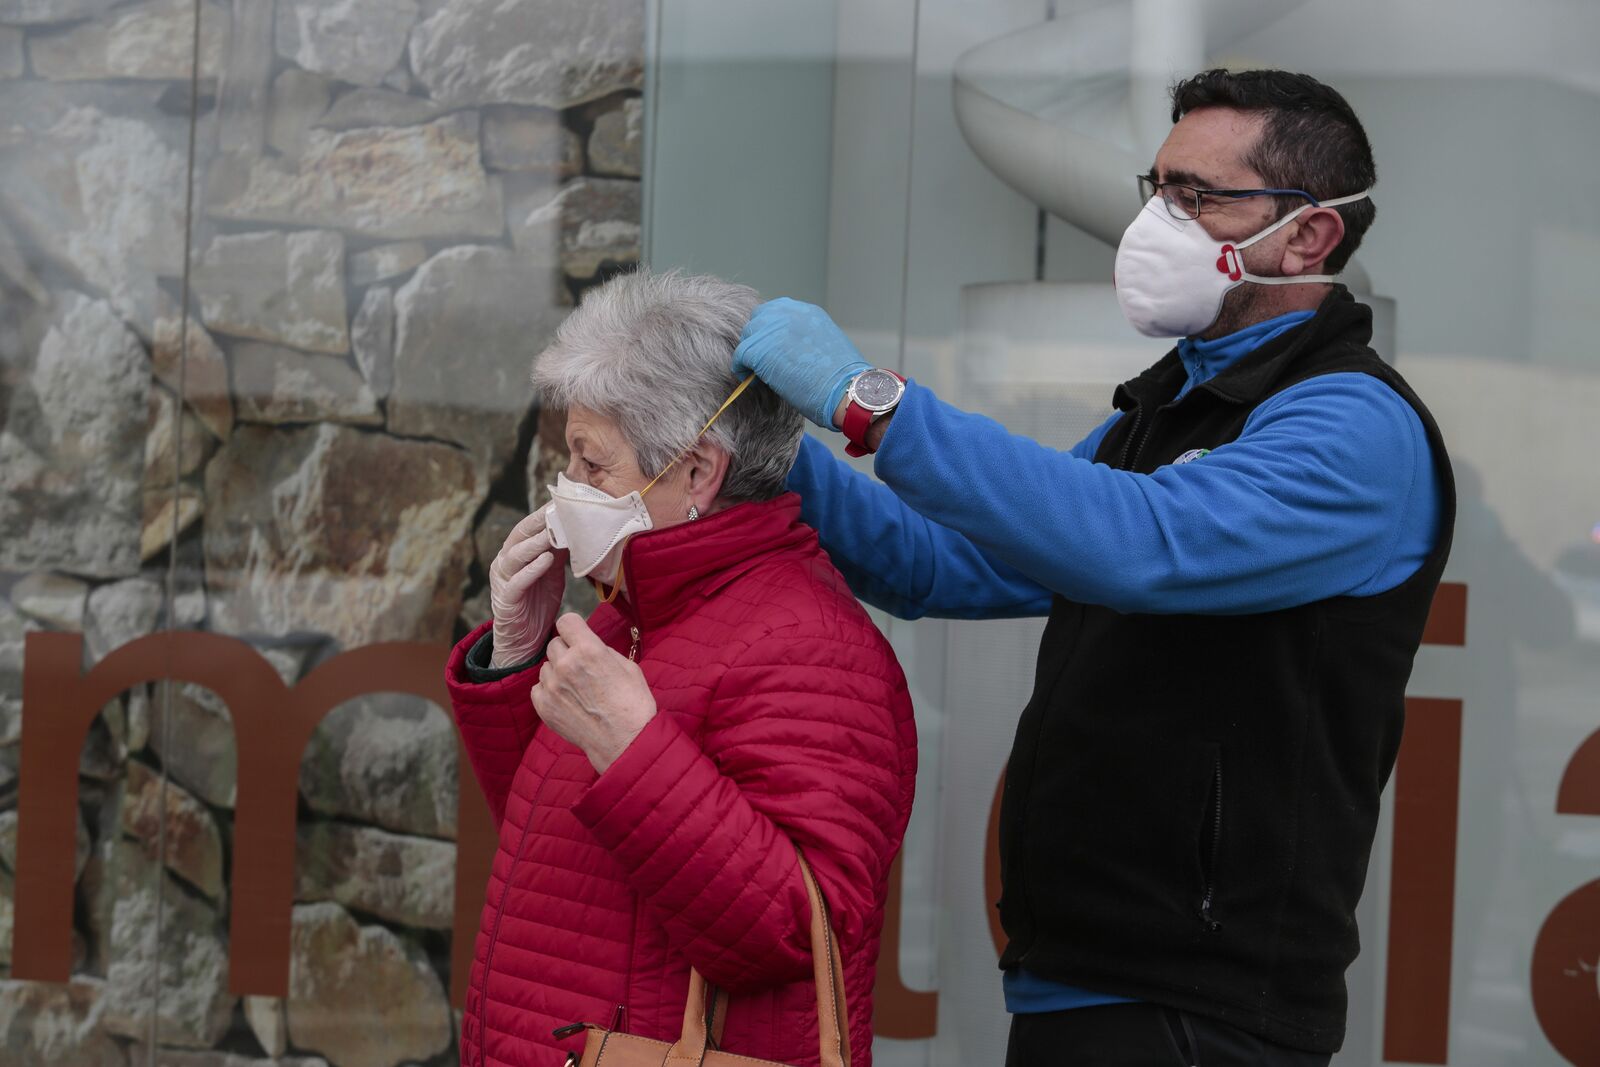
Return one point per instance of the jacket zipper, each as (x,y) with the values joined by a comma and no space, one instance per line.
(1135,443)
(494,933)
(1216,844)
(633,649)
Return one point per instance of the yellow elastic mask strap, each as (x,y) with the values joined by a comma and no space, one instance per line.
(616,585)
(741,387)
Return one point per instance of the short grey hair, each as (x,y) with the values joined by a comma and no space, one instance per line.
(655,353)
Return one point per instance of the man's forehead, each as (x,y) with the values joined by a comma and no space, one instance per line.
(1207,147)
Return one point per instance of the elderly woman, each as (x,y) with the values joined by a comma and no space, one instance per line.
(653,769)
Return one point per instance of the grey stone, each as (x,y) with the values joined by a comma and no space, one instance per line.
(204,370)
(166,1057)
(386,759)
(530,139)
(372,339)
(49,1024)
(386,261)
(8,844)
(176,443)
(192,733)
(190,963)
(616,145)
(298,100)
(148,40)
(13,637)
(588,223)
(476,610)
(404,880)
(275,385)
(53,599)
(241,121)
(357,41)
(12,63)
(468,325)
(120,612)
(265,1017)
(379,107)
(492,531)
(168,822)
(339,971)
(167,514)
(414,181)
(374,547)
(272,286)
(14,265)
(70,453)
(35,12)
(101,195)
(554,53)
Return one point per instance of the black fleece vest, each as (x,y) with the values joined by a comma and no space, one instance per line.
(1191,799)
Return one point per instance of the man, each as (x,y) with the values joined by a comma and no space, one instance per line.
(1236,566)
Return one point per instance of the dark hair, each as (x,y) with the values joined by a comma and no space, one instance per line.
(1312,140)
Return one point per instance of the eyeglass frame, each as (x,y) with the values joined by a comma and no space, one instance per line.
(1149,180)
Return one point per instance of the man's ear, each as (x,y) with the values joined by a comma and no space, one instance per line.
(1316,234)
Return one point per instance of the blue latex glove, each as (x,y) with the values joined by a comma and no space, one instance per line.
(796,349)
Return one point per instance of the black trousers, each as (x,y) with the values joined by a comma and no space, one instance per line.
(1142,1035)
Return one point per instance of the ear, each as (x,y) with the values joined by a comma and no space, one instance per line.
(706,467)
(1316,234)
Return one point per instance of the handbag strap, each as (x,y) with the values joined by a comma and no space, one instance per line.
(833,1013)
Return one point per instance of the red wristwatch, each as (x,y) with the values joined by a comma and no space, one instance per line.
(872,395)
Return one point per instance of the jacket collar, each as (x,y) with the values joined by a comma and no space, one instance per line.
(670,570)
(1340,318)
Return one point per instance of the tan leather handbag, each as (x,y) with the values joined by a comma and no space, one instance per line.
(703,1022)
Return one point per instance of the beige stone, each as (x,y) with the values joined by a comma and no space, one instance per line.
(166,515)
(49,1024)
(192,733)
(616,145)
(149,40)
(297,101)
(468,325)
(405,880)
(340,971)
(71,450)
(357,41)
(53,599)
(379,107)
(372,340)
(12,64)
(587,224)
(554,53)
(374,547)
(492,531)
(176,444)
(275,385)
(203,368)
(386,261)
(530,139)
(166,820)
(265,1017)
(414,181)
(270,286)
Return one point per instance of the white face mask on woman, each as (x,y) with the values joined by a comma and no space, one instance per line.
(593,526)
(1171,275)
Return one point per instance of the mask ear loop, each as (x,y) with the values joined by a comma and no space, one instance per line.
(740,388)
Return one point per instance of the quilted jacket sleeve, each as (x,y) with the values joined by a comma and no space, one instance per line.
(496,721)
(808,740)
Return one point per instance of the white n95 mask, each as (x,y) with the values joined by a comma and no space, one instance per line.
(593,525)
(1171,275)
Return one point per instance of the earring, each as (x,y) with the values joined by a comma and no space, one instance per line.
(694,513)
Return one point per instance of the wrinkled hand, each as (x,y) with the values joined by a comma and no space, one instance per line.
(799,351)
(592,695)
(526,581)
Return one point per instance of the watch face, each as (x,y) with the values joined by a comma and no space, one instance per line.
(876,390)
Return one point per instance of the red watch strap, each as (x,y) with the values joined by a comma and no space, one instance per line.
(857,421)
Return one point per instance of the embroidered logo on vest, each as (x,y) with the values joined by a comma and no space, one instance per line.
(1191,455)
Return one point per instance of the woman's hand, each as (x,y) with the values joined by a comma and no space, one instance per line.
(592,695)
(526,581)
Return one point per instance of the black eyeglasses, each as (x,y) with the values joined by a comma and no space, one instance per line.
(1185,201)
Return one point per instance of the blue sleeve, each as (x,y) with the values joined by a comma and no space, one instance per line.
(1329,490)
(894,558)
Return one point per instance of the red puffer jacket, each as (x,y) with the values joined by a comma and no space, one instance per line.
(783,717)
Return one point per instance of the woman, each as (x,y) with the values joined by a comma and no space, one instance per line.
(653,769)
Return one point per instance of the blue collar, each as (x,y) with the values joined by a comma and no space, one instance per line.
(1204,360)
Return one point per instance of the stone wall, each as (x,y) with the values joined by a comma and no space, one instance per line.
(394,204)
